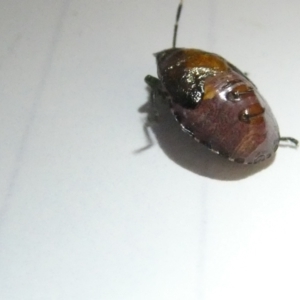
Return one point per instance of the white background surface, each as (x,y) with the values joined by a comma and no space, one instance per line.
(82,214)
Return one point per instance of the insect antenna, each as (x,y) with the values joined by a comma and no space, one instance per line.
(176,22)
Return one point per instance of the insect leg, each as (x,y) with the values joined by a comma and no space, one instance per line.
(153,82)
(289,139)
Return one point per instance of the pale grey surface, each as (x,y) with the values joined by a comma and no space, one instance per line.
(82,216)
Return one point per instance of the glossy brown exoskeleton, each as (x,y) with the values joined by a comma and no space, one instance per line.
(216,103)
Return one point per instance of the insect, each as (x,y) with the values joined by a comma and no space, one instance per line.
(216,103)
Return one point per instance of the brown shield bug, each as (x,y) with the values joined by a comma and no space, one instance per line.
(216,103)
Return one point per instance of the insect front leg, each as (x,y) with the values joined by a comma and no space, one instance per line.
(158,94)
(153,82)
(157,97)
